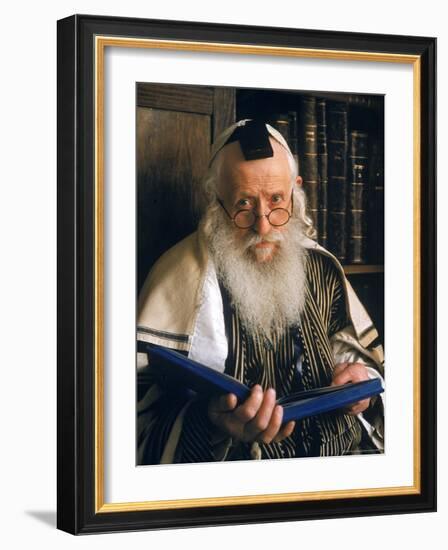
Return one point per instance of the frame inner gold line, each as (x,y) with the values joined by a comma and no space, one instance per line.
(256,499)
(101,42)
(213,47)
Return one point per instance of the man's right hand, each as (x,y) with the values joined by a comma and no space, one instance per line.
(259,418)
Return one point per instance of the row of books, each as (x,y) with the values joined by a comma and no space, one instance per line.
(342,169)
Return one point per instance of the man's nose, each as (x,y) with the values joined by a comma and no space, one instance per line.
(262,225)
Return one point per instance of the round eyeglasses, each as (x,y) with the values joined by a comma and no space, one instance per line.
(244,219)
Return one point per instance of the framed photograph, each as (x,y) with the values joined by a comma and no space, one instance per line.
(246,274)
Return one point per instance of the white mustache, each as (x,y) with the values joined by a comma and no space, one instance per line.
(272,237)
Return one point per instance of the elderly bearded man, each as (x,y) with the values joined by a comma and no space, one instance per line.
(252,295)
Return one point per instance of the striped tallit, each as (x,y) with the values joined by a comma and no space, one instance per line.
(253,359)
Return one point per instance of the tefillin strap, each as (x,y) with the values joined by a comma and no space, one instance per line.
(254,140)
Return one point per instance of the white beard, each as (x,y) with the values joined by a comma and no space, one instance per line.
(268,294)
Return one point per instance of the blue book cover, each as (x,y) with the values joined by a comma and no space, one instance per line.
(207,381)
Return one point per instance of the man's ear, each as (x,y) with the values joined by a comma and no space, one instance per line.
(299,181)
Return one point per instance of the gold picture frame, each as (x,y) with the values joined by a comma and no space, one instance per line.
(82,43)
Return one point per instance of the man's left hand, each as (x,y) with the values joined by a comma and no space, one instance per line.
(351,372)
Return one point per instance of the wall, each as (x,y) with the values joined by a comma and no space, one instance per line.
(28,274)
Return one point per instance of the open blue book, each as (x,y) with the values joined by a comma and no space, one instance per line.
(206,381)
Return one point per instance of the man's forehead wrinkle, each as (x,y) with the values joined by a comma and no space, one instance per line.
(255,170)
(264,185)
(260,185)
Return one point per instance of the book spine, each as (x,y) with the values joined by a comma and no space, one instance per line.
(281,123)
(293,138)
(322,165)
(309,167)
(358,162)
(337,118)
(375,225)
(286,124)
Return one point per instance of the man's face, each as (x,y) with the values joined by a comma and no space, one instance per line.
(261,185)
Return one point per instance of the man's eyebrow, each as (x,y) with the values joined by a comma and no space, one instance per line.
(280,192)
(244,195)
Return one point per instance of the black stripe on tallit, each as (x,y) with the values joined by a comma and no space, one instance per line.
(165,335)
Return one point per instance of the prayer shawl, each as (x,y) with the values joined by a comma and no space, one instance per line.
(181,307)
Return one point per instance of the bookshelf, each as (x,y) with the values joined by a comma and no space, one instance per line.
(338,141)
(339,144)
(362,269)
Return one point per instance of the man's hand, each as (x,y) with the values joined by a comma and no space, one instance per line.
(259,418)
(351,372)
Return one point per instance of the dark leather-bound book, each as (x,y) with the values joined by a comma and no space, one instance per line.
(287,125)
(293,137)
(375,220)
(281,123)
(308,148)
(337,120)
(322,167)
(358,181)
(309,168)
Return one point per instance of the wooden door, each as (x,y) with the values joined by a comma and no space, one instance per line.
(176,126)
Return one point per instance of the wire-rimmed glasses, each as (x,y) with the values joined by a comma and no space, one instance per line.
(246,218)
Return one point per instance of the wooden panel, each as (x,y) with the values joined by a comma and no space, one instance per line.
(224,110)
(175,97)
(172,155)
(358,269)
